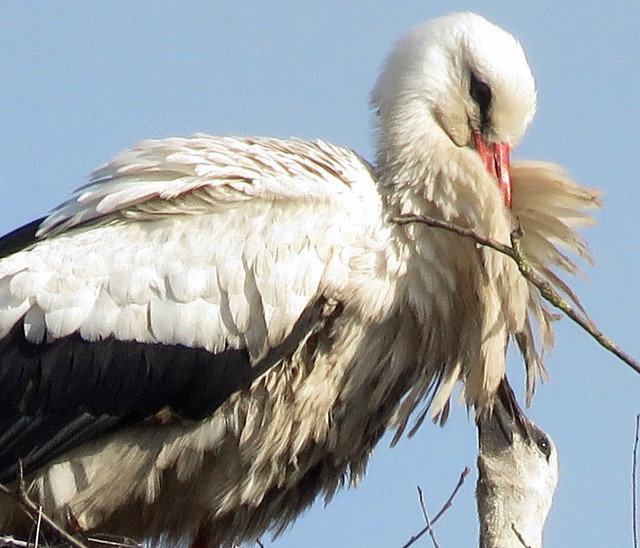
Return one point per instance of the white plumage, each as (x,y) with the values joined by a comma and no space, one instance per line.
(219,329)
(201,267)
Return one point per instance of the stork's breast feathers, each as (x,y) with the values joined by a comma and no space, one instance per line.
(549,208)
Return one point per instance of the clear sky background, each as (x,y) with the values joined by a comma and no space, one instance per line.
(80,81)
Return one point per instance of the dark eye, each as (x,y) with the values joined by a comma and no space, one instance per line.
(543,444)
(481,93)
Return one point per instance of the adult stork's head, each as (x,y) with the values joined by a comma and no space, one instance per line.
(457,81)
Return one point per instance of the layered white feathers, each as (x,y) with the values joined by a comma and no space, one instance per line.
(184,249)
(204,242)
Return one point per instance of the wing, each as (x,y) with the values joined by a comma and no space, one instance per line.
(181,272)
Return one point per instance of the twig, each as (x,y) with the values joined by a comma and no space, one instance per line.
(432,533)
(38,525)
(444,508)
(449,502)
(22,498)
(117,541)
(519,536)
(546,290)
(10,541)
(634,483)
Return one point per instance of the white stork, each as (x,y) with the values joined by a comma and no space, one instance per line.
(517,476)
(215,330)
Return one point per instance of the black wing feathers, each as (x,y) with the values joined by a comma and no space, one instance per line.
(19,239)
(55,396)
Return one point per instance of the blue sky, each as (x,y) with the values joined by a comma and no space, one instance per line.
(80,81)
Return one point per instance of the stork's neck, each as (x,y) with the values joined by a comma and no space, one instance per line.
(431,176)
(421,171)
(511,508)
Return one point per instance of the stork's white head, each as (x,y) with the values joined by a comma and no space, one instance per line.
(459,78)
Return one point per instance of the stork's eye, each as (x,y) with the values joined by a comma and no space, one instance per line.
(481,93)
(543,444)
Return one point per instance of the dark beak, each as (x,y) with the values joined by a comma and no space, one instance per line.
(497,429)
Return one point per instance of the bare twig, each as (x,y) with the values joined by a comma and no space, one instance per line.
(449,502)
(38,525)
(423,507)
(634,483)
(425,515)
(10,541)
(546,290)
(117,541)
(519,536)
(444,508)
(22,498)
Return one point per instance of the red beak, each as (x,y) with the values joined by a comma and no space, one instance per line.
(496,159)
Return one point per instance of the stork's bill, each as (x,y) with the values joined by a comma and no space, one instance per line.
(496,158)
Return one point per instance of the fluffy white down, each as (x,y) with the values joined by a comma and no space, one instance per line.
(515,492)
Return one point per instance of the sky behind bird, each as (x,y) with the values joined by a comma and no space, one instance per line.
(81,81)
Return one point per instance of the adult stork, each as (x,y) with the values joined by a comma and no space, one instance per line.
(215,330)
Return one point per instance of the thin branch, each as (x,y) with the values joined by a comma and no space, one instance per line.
(546,290)
(519,536)
(38,525)
(634,483)
(444,508)
(117,541)
(449,502)
(22,498)
(34,511)
(423,507)
(10,541)
(425,515)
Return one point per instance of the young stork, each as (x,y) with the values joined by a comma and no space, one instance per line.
(215,330)
(517,476)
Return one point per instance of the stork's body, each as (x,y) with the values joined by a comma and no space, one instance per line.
(216,330)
